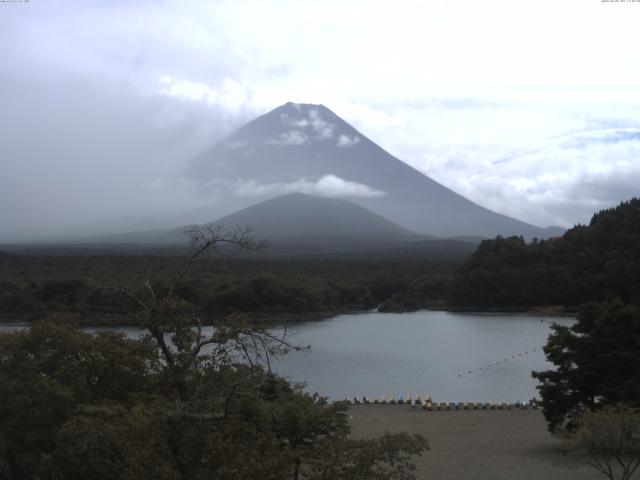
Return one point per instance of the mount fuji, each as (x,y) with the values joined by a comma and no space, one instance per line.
(307,148)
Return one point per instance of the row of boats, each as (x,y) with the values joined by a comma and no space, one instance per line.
(426,403)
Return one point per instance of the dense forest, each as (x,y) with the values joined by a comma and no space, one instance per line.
(33,286)
(175,403)
(592,262)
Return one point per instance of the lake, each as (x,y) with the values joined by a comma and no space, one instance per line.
(450,356)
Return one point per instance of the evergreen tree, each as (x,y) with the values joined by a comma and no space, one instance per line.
(597,363)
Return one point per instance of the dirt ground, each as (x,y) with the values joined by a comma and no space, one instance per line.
(476,444)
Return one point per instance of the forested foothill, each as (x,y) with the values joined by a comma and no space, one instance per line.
(591,396)
(594,262)
(588,263)
(33,286)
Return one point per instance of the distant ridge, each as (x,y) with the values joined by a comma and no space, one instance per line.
(304,217)
(294,224)
(295,221)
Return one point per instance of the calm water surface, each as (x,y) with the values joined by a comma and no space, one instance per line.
(450,356)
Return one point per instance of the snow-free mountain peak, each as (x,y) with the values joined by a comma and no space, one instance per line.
(294,125)
(307,148)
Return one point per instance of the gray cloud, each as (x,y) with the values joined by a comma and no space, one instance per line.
(563,182)
(77,149)
(586,139)
(101,99)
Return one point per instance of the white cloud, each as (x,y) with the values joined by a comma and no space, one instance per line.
(294,122)
(332,186)
(322,128)
(326,186)
(229,94)
(293,137)
(561,182)
(347,141)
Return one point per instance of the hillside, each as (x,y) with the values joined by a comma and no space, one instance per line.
(295,224)
(308,148)
(299,218)
(588,263)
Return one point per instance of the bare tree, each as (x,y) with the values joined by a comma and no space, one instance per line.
(175,325)
(611,440)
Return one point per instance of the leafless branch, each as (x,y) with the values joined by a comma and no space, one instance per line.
(209,237)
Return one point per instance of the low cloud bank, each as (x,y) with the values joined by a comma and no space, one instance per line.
(325,186)
(562,182)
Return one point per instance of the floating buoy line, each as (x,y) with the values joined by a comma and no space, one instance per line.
(426,403)
(515,356)
(506,359)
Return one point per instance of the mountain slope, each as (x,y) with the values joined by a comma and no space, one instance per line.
(302,224)
(297,147)
(300,216)
(296,223)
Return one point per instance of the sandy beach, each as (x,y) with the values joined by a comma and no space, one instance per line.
(476,444)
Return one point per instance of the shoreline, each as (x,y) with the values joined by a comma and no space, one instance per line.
(288,318)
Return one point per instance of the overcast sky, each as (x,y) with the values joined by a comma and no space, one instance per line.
(529,108)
